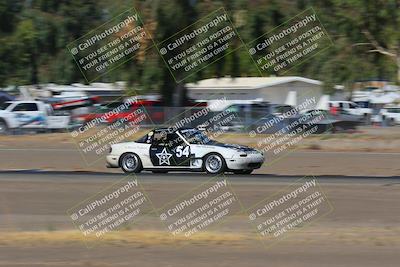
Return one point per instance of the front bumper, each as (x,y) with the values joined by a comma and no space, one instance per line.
(250,162)
(112,161)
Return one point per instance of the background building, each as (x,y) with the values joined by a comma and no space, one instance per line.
(271,89)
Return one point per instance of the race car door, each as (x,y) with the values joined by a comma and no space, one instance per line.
(169,150)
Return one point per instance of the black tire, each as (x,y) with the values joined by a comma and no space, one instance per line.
(388,121)
(130,163)
(3,127)
(160,171)
(367,118)
(243,172)
(214,163)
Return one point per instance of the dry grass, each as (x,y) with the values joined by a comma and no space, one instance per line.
(138,238)
(353,235)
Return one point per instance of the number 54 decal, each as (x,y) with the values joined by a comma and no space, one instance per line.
(182,151)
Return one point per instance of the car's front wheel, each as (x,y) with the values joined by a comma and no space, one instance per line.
(214,164)
(131,163)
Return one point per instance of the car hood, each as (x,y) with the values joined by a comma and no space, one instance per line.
(4,112)
(233,146)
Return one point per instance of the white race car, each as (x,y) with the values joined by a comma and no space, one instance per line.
(163,150)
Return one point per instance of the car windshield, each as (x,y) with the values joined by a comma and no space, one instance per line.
(3,106)
(194,136)
(352,105)
(146,138)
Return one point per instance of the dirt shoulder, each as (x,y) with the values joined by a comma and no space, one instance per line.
(369,152)
(366,139)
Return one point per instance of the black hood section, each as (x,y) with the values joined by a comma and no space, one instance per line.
(240,147)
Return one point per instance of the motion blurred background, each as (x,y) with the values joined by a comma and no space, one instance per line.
(34,35)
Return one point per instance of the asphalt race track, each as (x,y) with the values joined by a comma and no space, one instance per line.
(362,229)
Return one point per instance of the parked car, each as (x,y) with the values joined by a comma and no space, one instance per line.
(390,114)
(351,108)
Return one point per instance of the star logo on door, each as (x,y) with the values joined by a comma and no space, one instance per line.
(164,157)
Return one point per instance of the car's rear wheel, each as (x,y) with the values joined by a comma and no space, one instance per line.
(3,127)
(391,122)
(214,164)
(131,163)
(243,172)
